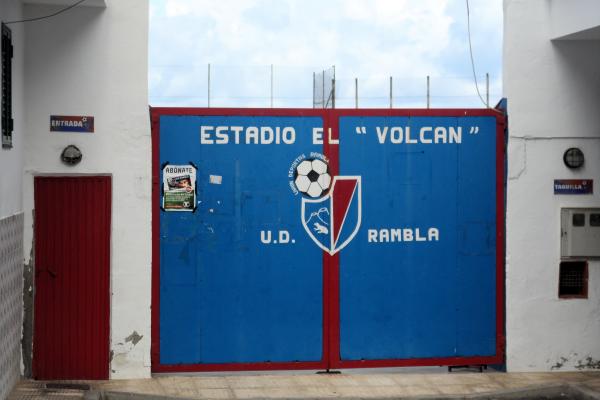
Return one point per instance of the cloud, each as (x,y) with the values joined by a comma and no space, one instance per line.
(368,39)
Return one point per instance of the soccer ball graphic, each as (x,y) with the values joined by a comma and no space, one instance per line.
(312,178)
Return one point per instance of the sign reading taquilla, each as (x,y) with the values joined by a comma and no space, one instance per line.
(573,186)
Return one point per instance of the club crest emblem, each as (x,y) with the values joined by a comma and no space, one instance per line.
(333,220)
(331,206)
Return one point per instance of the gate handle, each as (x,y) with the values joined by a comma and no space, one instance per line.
(51,273)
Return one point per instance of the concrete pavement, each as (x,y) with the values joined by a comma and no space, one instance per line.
(348,385)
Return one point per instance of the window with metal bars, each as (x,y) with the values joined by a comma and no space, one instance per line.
(6,118)
(573,280)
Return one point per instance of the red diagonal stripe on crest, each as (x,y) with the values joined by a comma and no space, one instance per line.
(342,195)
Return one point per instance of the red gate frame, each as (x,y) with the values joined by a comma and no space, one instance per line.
(331,308)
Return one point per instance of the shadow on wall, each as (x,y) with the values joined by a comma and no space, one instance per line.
(64,37)
(578,79)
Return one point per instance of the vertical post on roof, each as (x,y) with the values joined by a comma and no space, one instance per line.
(391,94)
(208,95)
(333,89)
(314,89)
(323,81)
(333,93)
(487,90)
(355,92)
(271,85)
(428,95)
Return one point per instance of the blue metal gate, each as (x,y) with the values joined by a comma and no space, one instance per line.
(320,239)
(420,279)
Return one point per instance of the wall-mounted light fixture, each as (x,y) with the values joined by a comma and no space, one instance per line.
(573,158)
(71,155)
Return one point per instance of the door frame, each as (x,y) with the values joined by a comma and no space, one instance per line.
(109,177)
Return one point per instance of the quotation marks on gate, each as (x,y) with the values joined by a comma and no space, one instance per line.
(411,135)
(361,130)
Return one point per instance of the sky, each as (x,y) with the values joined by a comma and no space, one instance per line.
(366,40)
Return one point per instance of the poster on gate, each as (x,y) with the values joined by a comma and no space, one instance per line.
(179,187)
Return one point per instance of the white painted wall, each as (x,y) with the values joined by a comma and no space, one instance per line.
(553,91)
(93,61)
(569,18)
(11,219)
(11,161)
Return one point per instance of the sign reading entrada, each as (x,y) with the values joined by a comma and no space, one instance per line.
(70,123)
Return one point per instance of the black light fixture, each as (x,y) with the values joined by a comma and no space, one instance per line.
(71,155)
(573,158)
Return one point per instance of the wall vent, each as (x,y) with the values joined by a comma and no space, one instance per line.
(573,280)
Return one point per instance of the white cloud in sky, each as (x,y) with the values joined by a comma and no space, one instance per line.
(367,39)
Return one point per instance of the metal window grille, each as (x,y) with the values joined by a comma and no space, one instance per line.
(7,55)
(573,279)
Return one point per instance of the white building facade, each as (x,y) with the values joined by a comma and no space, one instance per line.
(552,83)
(88,61)
(93,61)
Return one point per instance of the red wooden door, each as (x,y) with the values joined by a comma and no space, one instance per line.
(72,270)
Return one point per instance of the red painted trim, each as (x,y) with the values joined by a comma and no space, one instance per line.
(416,112)
(257,112)
(420,362)
(107,285)
(239,367)
(326,313)
(334,312)
(155,328)
(333,293)
(327,152)
(500,234)
(331,311)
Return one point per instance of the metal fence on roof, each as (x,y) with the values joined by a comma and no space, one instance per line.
(280,86)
